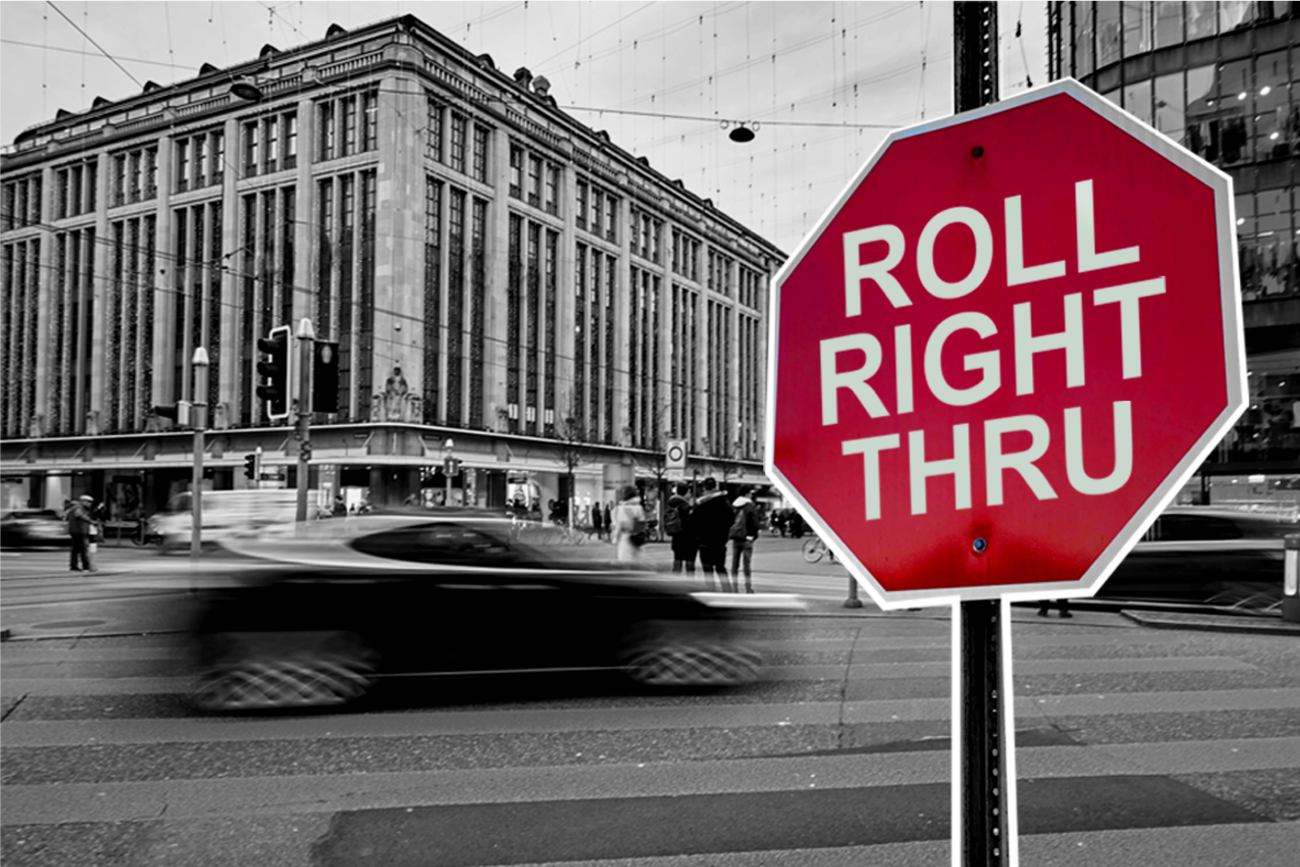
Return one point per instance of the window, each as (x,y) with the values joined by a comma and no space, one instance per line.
(457,155)
(552,200)
(534,180)
(251,134)
(291,140)
(516,171)
(1169,23)
(433,130)
(370,109)
(325,131)
(271,134)
(441,542)
(349,126)
(583,194)
(182,165)
(22,202)
(480,153)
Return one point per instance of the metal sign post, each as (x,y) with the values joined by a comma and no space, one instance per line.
(306,340)
(984,785)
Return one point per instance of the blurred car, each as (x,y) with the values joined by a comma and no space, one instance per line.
(41,528)
(1205,556)
(325,612)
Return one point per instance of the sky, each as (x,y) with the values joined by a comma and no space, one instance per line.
(821,83)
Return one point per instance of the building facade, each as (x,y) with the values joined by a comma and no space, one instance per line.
(1223,80)
(505,286)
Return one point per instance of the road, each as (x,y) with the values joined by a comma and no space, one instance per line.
(1134,746)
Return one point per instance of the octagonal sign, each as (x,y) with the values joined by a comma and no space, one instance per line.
(1005,348)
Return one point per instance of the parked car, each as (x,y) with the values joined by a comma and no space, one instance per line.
(326,610)
(32,529)
(1205,556)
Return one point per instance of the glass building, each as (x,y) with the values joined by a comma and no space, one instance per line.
(1223,80)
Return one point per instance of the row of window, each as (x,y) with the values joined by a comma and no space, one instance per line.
(22,203)
(75,185)
(1230,114)
(597,211)
(1099,34)
(450,138)
(347,125)
(541,186)
(135,174)
(646,229)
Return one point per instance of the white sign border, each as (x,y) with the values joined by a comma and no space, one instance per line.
(1233,346)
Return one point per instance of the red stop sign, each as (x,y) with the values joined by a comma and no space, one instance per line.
(1005,348)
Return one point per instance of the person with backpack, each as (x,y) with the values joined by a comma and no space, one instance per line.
(677,516)
(628,525)
(744,530)
(710,521)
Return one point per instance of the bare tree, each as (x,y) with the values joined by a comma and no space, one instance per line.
(656,463)
(574,450)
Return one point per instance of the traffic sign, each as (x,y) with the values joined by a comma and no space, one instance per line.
(1005,348)
(675,456)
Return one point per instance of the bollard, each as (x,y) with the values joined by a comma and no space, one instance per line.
(1290,579)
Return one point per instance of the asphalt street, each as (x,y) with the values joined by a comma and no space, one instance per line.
(1134,745)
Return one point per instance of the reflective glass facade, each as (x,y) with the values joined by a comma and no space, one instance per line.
(1223,80)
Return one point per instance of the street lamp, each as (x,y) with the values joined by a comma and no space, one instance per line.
(200,410)
(448,466)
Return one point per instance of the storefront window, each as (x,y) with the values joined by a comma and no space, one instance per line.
(1202,19)
(1137,27)
(1137,100)
(1202,122)
(1108,34)
(1236,118)
(1272,106)
(1083,56)
(1171,115)
(1169,24)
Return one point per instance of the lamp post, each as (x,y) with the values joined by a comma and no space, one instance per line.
(200,410)
(448,467)
(306,337)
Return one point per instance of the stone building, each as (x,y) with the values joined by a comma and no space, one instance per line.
(493,272)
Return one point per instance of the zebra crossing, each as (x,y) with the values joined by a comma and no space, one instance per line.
(1134,746)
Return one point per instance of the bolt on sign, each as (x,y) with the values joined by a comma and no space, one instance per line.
(1004,349)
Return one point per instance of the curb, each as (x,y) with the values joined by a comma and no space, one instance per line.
(1207,623)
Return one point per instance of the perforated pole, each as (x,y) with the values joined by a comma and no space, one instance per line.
(983,759)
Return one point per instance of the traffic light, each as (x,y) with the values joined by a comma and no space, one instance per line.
(179,414)
(275,372)
(250,466)
(325,377)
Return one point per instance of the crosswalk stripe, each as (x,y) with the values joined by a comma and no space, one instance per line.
(207,797)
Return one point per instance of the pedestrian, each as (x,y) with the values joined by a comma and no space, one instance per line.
(608,515)
(677,518)
(628,525)
(598,522)
(81,527)
(711,521)
(744,530)
(1045,606)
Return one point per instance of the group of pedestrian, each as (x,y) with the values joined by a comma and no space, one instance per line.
(705,526)
(602,517)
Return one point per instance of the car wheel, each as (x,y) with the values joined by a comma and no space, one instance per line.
(262,671)
(667,655)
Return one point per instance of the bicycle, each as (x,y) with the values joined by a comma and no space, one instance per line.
(814,549)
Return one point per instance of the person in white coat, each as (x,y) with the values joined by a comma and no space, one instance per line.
(627,525)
